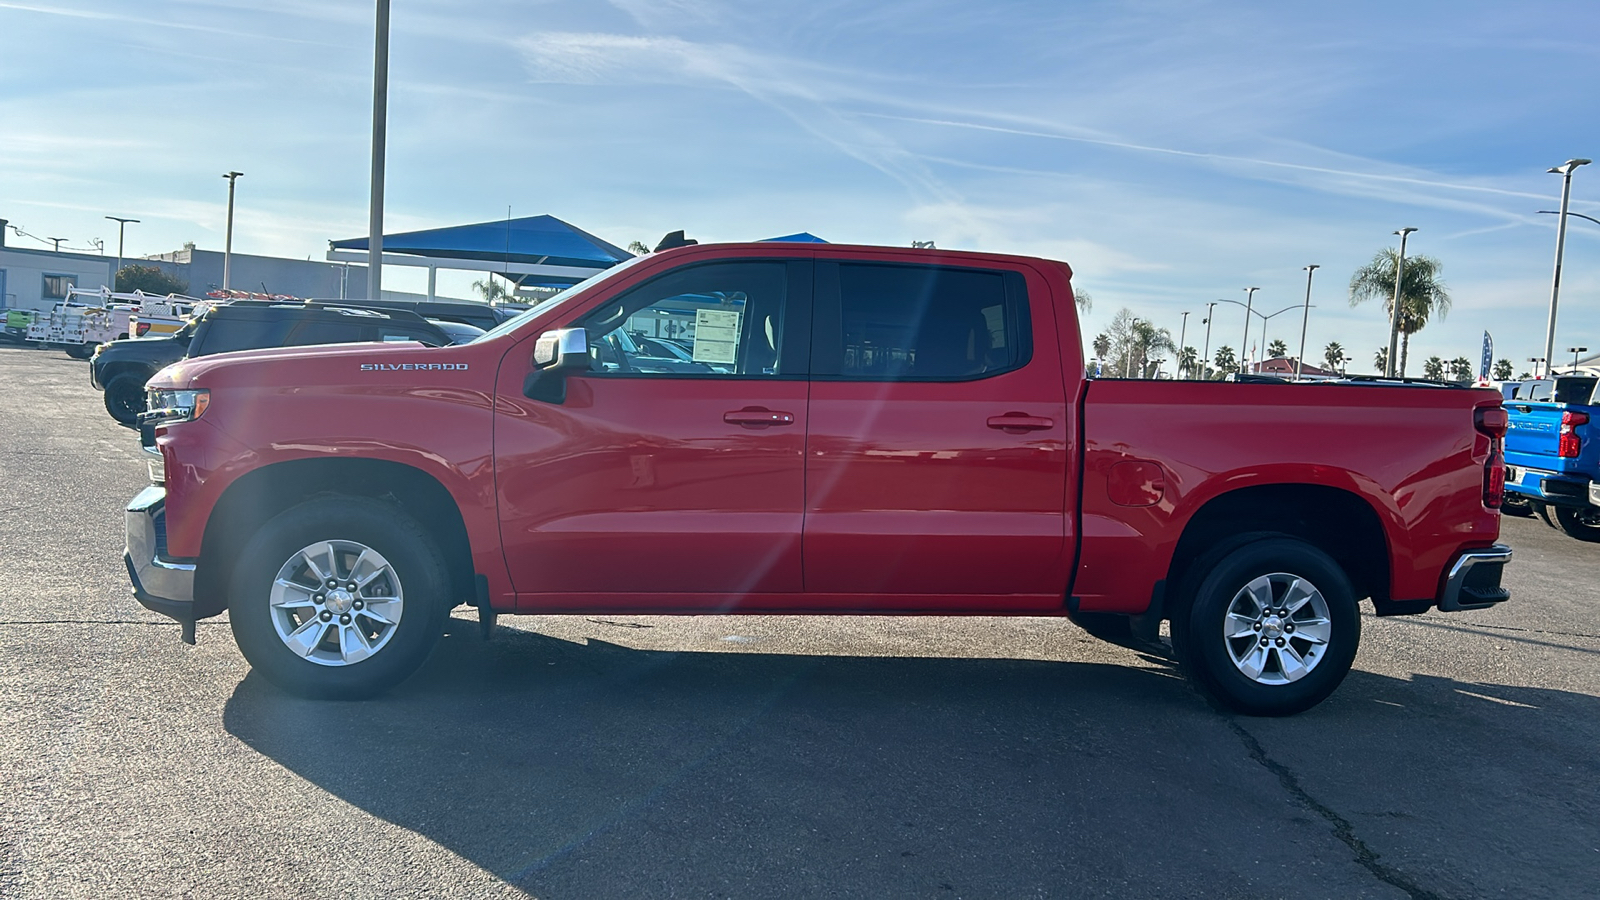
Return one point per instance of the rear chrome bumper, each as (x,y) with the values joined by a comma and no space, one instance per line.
(1594,494)
(160,584)
(1474,580)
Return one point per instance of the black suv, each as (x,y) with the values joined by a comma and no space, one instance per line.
(121,368)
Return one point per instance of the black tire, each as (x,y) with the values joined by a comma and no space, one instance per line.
(1516,505)
(80,351)
(1544,511)
(125,398)
(1583,524)
(1208,657)
(414,560)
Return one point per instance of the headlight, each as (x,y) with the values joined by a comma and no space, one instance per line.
(166,407)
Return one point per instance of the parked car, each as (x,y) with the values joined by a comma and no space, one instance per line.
(918,419)
(121,368)
(1553,452)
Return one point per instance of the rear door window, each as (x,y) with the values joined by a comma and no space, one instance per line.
(225,334)
(880,322)
(326,331)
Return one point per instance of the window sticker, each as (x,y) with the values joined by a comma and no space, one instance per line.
(716,336)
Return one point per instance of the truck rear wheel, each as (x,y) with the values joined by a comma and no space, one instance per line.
(125,398)
(1272,629)
(80,351)
(1583,524)
(1516,505)
(339,598)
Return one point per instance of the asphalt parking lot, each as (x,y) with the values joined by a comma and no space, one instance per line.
(714,756)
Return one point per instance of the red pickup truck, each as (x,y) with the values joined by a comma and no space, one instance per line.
(822,429)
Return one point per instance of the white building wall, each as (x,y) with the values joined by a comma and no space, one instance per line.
(25,270)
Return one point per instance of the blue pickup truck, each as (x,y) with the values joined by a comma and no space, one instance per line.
(1553,452)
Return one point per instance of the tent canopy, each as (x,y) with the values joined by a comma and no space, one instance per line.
(803,237)
(534,240)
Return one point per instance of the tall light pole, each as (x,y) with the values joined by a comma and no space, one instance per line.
(1205,355)
(1536,360)
(1391,367)
(1565,171)
(380,123)
(1300,361)
(1575,351)
(1182,330)
(1127,365)
(57,241)
(227,247)
(1250,299)
(121,224)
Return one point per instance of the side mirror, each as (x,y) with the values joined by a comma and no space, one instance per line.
(556,354)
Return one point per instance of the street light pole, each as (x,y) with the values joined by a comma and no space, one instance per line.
(1183,330)
(1390,365)
(1250,298)
(1205,355)
(1575,351)
(57,247)
(1536,360)
(121,223)
(227,247)
(1305,317)
(380,116)
(1565,171)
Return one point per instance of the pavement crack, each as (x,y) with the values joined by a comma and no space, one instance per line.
(1342,829)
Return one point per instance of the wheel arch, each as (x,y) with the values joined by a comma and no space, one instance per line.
(255,497)
(1338,522)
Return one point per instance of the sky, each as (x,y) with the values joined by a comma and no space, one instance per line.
(1172,153)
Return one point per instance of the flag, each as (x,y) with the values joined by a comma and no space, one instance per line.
(1488,356)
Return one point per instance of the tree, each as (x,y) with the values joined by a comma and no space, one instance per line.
(637,248)
(1226,361)
(1188,362)
(1277,349)
(1134,346)
(1422,295)
(492,291)
(1502,370)
(1461,369)
(1102,346)
(1084,301)
(1333,356)
(1381,360)
(149,279)
(1433,369)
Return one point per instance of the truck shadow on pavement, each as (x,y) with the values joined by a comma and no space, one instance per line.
(594,770)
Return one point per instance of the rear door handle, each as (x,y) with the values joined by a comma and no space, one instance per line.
(1017,423)
(758,417)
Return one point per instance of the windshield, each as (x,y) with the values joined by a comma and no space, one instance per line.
(512,324)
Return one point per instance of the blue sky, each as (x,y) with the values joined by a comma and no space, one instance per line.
(1172,152)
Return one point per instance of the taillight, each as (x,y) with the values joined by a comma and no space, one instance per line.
(1571,444)
(144,328)
(1492,421)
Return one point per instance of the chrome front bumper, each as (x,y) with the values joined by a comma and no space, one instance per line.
(1474,580)
(1594,493)
(160,584)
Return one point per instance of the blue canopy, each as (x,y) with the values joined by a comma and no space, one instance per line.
(803,237)
(536,240)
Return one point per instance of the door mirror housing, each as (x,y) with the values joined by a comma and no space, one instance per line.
(556,354)
(562,350)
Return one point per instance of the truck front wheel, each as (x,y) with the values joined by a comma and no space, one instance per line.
(125,398)
(339,598)
(1272,629)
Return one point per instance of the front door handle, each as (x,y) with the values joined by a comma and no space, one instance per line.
(758,417)
(1017,423)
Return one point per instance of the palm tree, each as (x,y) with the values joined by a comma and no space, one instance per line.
(1333,355)
(1277,349)
(1433,369)
(1461,369)
(1084,301)
(1225,360)
(1421,296)
(1381,360)
(1146,341)
(1188,361)
(492,291)
(1102,346)
(1502,370)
